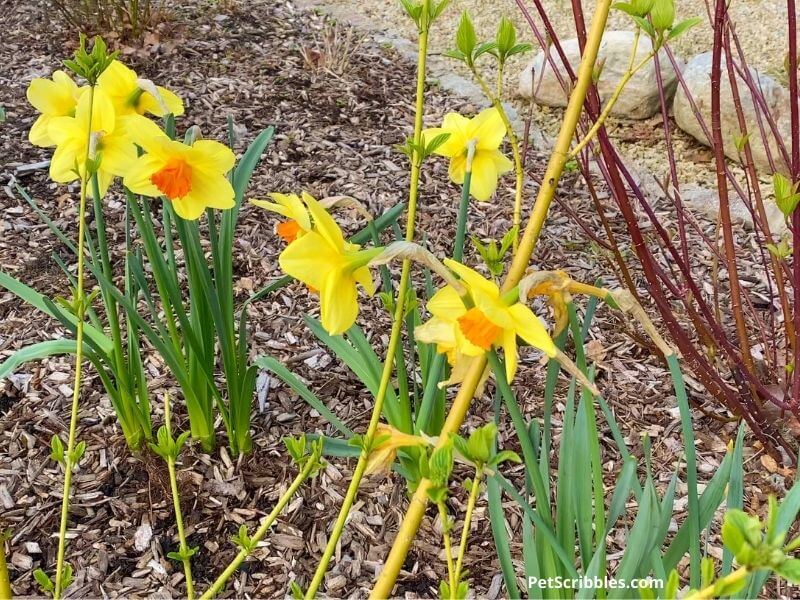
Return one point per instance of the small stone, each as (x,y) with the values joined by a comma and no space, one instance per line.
(697,76)
(142,537)
(23,562)
(638,100)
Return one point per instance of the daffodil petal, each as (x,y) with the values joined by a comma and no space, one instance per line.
(117,155)
(137,179)
(338,303)
(146,134)
(457,169)
(187,208)
(118,81)
(38,135)
(488,129)
(305,259)
(472,278)
(363,276)
(212,156)
(510,354)
(56,97)
(446,304)
(62,130)
(459,128)
(530,328)
(211,190)
(324,223)
(502,163)
(436,331)
(484,177)
(63,165)
(149,104)
(452,146)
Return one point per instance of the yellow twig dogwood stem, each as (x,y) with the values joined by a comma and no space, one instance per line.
(416,510)
(80,311)
(397,324)
(5,580)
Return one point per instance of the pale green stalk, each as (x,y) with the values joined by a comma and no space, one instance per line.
(448,549)
(80,310)
(462,549)
(626,77)
(261,532)
(394,339)
(176,503)
(497,102)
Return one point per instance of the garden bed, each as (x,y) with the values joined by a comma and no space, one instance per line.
(338,111)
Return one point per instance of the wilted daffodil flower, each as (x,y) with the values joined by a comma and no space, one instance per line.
(191,177)
(298,221)
(326,263)
(388,441)
(133,95)
(493,320)
(56,97)
(108,146)
(487,131)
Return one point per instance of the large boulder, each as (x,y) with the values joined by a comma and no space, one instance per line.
(697,75)
(639,99)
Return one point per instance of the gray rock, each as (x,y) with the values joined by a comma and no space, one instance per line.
(639,99)
(697,75)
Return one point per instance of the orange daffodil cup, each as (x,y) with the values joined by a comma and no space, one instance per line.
(493,320)
(191,177)
(486,131)
(297,222)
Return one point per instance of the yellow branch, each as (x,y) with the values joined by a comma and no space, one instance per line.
(5,580)
(416,509)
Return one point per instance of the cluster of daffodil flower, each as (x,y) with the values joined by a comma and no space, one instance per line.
(192,177)
(466,322)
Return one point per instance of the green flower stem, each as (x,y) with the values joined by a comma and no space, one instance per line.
(463,207)
(80,311)
(397,325)
(176,503)
(218,584)
(5,580)
(452,579)
(462,549)
(497,102)
(111,303)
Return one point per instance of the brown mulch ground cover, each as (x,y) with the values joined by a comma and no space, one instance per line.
(337,116)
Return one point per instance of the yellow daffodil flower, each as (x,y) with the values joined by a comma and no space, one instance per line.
(132,95)
(56,97)
(192,177)
(298,221)
(487,131)
(326,263)
(492,321)
(389,441)
(107,143)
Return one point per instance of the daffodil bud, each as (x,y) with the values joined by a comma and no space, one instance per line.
(663,14)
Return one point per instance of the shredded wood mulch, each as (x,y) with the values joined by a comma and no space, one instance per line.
(339,103)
